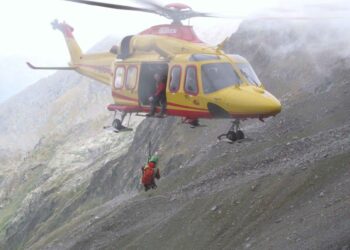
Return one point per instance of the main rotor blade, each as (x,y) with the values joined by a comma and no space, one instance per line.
(113,6)
(154,5)
(204,14)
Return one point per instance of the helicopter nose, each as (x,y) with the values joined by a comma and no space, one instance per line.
(278,107)
(271,104)
(253,101)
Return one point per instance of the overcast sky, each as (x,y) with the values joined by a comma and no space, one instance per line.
(26,31)
(25,25)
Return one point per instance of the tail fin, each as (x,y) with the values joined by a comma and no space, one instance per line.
(73,47)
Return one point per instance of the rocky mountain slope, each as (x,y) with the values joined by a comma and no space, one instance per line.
(287,186)
(50,106)
(61,117)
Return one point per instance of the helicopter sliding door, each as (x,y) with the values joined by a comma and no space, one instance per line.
(147,84)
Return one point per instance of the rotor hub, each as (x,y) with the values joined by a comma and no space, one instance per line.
(178,6)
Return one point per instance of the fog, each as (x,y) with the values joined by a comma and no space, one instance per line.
(27,34)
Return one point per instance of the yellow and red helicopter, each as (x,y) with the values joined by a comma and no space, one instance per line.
(202,80)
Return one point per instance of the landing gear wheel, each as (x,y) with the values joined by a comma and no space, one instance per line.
(194,123)
(231,135)
(240,135)
(117,124)
(234,133)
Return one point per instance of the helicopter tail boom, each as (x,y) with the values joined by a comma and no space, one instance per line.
(67,31)
(96,66)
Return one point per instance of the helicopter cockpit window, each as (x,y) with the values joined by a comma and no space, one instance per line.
(175,78)
(216,76)
(191,86)
(203,57)
(248,72)
(119,77)
(131,77)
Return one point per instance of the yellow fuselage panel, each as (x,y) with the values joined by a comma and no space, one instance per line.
(166,46)
(241,98)
(96,66)
(125,97)
(245,100)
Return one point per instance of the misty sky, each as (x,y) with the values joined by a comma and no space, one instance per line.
(26,31)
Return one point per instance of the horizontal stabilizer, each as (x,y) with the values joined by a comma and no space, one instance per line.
(50,68)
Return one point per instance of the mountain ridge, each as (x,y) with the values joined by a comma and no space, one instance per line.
(285,186)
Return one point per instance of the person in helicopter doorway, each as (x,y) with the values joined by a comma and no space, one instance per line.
(149,173)
(159,97)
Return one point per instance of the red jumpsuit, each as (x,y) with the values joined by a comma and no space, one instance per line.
(149,172)
(159,97)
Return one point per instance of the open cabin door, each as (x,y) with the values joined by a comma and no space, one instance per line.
(147,83)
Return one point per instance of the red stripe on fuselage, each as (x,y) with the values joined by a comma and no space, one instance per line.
(117,95)
(99,68)
(186,107)
(183,113)
(171,112)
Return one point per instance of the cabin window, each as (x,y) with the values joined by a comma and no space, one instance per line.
(191,86)
(175,78)
(203,57)
(119,77)
(249,74)
(216,76)
(131,77)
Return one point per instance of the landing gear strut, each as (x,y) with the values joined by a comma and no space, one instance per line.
(117,124)
(234,133)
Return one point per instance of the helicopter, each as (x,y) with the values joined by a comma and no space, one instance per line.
(202,81)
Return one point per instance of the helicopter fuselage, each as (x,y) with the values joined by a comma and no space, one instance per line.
(202,81)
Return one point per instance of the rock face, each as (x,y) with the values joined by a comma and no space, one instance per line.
(287,186)
(52,105)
